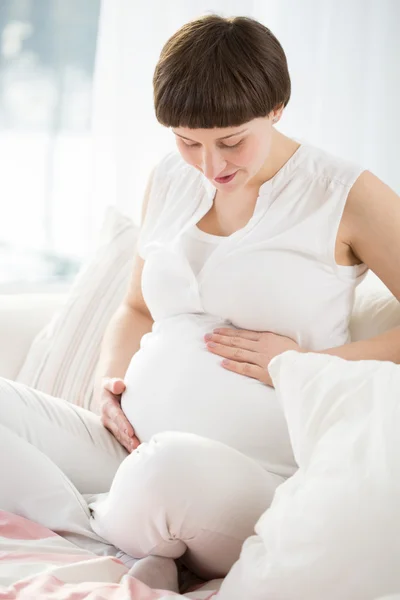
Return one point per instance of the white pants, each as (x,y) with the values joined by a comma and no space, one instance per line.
(178,494)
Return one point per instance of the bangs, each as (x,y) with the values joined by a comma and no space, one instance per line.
(216,98)
(219,73)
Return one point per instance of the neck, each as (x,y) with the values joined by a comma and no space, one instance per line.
(281,150)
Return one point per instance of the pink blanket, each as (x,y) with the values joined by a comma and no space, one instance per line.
(37,563)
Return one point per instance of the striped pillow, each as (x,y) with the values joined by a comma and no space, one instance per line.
(62,358)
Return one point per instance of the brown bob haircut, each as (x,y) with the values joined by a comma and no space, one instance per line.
(220,72)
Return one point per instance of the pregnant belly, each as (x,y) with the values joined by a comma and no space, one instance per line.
(174,384)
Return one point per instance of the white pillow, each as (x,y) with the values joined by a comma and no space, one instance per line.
(62,358)
(332,531)
(375,309)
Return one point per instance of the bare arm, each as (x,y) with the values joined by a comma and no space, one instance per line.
(126,328)
(120,342)
(372,216)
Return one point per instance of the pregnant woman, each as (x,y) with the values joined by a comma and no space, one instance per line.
(251,244)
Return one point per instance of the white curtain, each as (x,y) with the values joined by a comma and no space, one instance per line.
(343,58)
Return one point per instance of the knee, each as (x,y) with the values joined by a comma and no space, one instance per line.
(138,513)
(151,474)
(162,466)
(172,450)
(177,487)
(155,482)
(174,463)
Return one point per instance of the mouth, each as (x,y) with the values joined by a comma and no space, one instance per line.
(225,179)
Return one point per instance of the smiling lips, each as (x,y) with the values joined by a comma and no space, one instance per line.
(225,179)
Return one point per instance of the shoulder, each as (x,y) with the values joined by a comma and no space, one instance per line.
(373,222)
(371,204)
(328,169)
(369,192)
(172,172)
(172,190)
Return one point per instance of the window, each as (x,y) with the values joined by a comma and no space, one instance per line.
(47,56)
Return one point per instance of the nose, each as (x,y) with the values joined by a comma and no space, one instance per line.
(213,164)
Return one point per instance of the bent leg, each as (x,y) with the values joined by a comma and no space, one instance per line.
(72,437)
(184,494)
(33,487)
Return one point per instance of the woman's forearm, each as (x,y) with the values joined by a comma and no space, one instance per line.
(121,341)
(382,347)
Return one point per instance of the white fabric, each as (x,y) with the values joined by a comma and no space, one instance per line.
(22,316)
(278,274)
(183,493)
(375,310)
(63,356)
(332,530)
(35,488)
(53,453)
(343,61)
(37,564)
(70,436)
(198,247)
(178,492)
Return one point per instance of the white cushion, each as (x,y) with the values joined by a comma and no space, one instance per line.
(375,310)
(22,316)
(63,357)
(332,531)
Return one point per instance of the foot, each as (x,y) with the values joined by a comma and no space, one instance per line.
(157,572)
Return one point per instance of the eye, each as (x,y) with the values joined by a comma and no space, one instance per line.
(191,145)
(196,145)
(234,145)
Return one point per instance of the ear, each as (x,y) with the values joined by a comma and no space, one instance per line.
(276,114)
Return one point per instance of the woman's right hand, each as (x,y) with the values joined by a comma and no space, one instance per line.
(112,415)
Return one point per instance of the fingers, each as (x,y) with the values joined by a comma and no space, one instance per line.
(249,370)
(114,385)
(113,417)
(242,333)
(135,442)
(115,421)
(237,354)
(124,440)
(232,340)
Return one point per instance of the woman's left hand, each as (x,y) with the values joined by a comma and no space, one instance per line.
(248,352)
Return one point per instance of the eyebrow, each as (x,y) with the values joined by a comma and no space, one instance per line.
(218,139)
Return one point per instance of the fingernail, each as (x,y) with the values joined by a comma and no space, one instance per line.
(216,330)
(208,336)
(211,344)
(225,361)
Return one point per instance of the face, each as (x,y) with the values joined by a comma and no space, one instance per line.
(229,157)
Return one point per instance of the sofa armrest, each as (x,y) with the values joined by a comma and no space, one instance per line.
(22,316)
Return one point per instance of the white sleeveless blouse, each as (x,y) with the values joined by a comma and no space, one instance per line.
(278,273)
(198,247)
